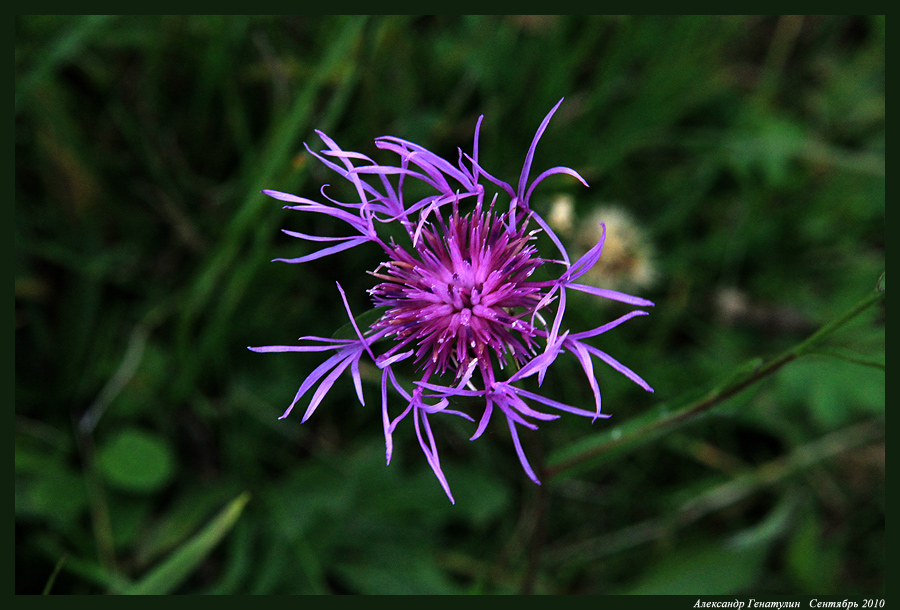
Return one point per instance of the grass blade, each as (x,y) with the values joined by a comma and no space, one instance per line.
(182,562)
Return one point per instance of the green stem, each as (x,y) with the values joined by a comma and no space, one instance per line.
(745,378)
(831,327)
(59,564)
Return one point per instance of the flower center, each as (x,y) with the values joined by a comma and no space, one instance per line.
(463,293)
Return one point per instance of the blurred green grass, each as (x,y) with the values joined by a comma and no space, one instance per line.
(749,151)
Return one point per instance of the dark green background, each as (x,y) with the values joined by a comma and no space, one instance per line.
(750,150)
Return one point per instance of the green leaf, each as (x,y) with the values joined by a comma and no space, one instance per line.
(137,461)
(703,570)
(831,392)
(812,562)
(183,561)
(392,569)
(57,495)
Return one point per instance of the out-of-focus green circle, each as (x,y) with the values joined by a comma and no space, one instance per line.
(136,461)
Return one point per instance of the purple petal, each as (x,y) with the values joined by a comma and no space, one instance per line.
(612,295)
(336,150)
(326,384)
(552,236)
(385,418)
(431,159)
(393,359)
(555,404)
(526,168)
(522,407)
(451,412)
(288,197)
(518,445)
(312,378)
(357,380)
(362,340)
(351,243)
(337,342)
(588,365)
(588,260)
(609,325)
(292,348)
(502,398)
(557,320)
(475,149)
(448,391)
(360,224)
(618,366)
(550,172)
(317,237)
(485,418)
(539,363)
(496,181)
(431,453)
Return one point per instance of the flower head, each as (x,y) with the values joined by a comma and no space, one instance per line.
(461,293)
(460,301)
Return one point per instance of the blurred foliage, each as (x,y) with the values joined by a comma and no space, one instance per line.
(750,150)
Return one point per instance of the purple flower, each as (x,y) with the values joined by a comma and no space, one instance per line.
(461,304)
